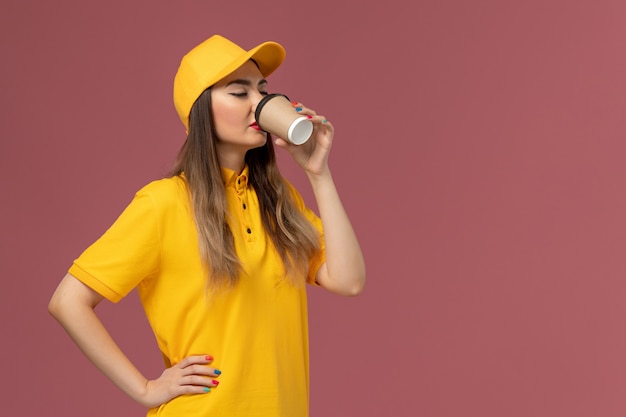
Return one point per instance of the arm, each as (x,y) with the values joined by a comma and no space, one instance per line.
(73,304)
(344,269)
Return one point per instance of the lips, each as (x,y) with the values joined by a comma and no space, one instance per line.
(255,126)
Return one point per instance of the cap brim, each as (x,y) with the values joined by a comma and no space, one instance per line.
(268,56)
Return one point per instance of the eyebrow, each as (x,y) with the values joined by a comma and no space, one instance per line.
(245,82)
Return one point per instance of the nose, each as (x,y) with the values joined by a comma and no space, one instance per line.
(255,98)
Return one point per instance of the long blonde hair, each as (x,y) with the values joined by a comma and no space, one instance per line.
(293,236)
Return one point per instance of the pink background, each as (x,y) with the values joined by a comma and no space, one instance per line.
(479,149)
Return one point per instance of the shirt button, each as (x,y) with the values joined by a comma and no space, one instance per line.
(244,206)
(249,231)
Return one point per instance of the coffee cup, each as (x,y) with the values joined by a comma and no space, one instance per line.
(276,115)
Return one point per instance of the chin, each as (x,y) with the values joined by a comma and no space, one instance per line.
(259,142)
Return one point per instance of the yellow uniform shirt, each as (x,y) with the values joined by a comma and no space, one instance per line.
(257,333)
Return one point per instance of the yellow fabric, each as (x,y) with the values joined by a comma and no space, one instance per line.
(257,333)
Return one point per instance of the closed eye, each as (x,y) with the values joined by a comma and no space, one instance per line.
(245,94)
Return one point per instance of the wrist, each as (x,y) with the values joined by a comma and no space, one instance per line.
(142,394)
(319,177)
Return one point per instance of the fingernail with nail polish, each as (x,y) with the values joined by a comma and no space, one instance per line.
(218,372)
(209,358)
(298,108)
(207,389)
(216,382)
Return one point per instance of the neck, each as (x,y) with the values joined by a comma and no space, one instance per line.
(233,159)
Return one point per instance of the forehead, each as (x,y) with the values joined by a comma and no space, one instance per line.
(248,71)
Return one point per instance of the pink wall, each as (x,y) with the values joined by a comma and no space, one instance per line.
(479,148)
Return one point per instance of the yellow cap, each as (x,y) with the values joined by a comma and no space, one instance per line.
(214,59)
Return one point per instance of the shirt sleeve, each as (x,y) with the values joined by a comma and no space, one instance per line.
(320,257)
(127,253)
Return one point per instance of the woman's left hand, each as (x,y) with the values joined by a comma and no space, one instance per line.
(312,156)
(344,269)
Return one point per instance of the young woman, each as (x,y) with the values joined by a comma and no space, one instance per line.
(220,253)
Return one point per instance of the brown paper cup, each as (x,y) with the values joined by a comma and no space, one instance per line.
(275,114)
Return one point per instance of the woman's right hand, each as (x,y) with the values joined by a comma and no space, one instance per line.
(73,304)
(189,376)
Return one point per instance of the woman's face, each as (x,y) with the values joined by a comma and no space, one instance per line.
(234,100)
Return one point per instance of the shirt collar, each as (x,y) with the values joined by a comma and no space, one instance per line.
(232,179)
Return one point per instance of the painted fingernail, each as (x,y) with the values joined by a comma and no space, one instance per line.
(216,382)
(295,103)
(209,358)
(308,116)
(207,389)
(324,121)
(218,372)
(298,108)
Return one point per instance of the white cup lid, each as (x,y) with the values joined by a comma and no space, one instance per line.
(300,130)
